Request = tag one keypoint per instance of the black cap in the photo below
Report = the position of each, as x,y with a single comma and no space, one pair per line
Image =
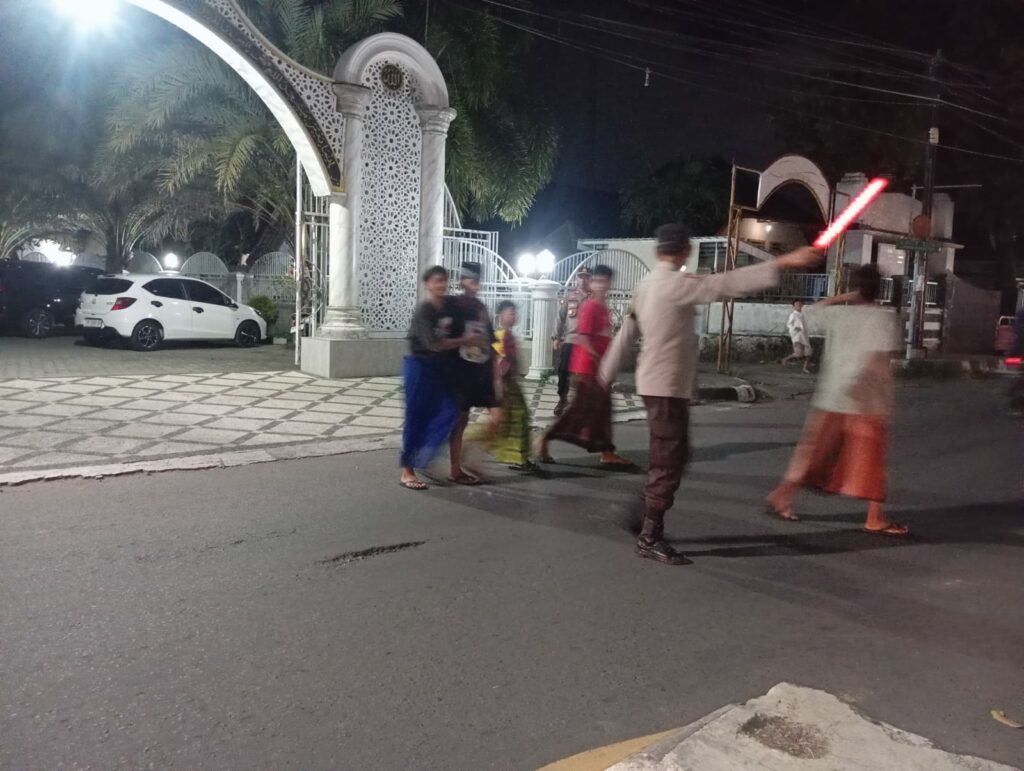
471,270
673,238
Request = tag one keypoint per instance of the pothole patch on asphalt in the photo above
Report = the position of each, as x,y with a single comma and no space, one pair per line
780,733
374,551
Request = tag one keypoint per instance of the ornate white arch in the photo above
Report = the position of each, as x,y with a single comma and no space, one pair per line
795,169
300,99
352,65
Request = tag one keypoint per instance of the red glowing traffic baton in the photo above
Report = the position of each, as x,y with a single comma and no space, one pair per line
851,212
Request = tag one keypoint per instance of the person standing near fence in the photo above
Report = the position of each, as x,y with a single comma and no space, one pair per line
471,369
430,409
565,333
798,336
587,421
843,447
662,319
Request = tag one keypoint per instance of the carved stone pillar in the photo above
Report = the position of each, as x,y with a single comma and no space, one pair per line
434,122
343,320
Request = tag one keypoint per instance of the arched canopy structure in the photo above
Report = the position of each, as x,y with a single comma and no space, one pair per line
799,170
399,49
300,99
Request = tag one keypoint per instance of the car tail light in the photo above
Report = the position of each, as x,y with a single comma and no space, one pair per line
1013,361
122,302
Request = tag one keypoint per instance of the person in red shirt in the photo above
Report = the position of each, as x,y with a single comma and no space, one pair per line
587,422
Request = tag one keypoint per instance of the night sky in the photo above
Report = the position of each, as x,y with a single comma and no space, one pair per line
716,67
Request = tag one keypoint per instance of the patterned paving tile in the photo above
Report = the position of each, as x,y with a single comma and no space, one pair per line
205,409
26,421
176,419
238,424
205,435
294,427
262,412
143,430
176,448
336,408
58,459
60,410
106,445
65,421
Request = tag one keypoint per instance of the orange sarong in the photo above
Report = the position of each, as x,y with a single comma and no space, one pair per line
842,454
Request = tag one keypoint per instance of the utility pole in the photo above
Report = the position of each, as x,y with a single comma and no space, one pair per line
920,285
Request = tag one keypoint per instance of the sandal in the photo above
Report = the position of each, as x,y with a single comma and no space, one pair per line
413,484
617,461
464,479
540,452
787,515
892,529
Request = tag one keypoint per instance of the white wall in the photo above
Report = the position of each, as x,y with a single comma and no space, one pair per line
759,319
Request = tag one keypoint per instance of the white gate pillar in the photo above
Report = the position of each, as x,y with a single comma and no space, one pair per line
544,306
434,122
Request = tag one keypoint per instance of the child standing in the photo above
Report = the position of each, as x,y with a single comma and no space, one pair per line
510,441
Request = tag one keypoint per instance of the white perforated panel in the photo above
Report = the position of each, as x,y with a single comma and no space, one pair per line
390,206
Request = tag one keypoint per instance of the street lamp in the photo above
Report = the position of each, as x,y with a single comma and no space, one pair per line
545,262
88,13
171,261
526,264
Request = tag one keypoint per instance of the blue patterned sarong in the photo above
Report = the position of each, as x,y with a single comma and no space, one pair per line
430,411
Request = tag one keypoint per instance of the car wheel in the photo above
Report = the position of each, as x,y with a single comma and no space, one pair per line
38,323
248,334
147,336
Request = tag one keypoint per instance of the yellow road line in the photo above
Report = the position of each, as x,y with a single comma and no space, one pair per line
603,757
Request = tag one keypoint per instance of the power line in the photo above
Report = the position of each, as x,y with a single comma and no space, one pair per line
729,57
623,60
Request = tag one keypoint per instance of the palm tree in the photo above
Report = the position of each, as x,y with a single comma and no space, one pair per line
182,103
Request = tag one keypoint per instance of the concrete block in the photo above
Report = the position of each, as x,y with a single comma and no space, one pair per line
333,359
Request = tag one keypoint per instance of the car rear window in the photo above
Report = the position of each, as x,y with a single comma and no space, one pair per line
107,285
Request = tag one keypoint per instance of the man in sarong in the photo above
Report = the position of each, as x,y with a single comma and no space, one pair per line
587,421
846,437
430,409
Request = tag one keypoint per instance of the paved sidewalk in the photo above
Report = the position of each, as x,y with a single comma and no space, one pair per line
61,423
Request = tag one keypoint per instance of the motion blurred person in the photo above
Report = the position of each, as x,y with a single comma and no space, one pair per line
470,368
430,409
843,447
587,421
662,319
565,334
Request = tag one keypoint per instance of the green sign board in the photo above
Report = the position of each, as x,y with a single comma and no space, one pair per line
917,245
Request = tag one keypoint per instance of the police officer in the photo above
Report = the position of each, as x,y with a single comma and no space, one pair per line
565,333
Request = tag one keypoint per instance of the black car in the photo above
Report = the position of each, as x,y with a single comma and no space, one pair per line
37,296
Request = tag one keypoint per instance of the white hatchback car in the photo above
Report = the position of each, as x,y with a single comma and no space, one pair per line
148,309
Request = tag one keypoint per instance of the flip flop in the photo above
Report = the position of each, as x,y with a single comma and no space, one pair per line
892,530
413,484
464,479
788,516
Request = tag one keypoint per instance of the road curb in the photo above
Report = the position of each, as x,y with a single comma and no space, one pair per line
230,459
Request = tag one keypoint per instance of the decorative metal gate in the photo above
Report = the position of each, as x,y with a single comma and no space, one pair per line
310,269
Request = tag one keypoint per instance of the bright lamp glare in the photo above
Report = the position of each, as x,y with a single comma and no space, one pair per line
89,13
171,261
55,253
545,261
527,264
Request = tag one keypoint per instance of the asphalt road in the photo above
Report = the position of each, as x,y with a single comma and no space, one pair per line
225,619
